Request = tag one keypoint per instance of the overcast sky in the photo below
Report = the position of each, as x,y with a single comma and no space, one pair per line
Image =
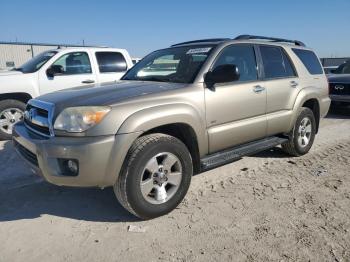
143,26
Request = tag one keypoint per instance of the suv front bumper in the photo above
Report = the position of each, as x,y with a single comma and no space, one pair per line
99,158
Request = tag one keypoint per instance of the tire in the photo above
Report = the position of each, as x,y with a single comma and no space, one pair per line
296,145
8,109
154,152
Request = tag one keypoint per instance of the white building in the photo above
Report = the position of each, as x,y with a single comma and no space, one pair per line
14,54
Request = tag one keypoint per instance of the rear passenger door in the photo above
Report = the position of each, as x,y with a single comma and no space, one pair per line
111,66
236,111
282,87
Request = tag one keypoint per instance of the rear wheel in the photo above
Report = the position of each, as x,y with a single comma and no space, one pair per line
155,177
302,135
11,112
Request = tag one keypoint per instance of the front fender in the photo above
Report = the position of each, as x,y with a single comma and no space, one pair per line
20,83
147,119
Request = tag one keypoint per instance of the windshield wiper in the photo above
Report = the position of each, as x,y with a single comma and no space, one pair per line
154,78
17,69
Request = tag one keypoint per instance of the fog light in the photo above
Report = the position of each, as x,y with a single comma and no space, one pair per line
69,167
72,166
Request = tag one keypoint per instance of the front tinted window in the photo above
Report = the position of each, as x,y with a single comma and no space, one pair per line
36,62
276,63
177,64
343,68
74,63
243,57
109,62
309,60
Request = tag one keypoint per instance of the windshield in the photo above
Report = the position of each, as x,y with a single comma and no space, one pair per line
343,68
177,65
36,62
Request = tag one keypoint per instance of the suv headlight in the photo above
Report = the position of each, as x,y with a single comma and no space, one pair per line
80,119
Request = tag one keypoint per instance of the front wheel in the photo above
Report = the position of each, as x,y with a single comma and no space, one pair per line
155,177
11,112
303,134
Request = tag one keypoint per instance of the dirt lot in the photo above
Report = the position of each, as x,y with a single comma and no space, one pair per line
268,207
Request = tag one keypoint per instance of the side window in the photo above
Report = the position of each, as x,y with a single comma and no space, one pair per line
243,57
74,63
276,63
111,62
288,65
309,60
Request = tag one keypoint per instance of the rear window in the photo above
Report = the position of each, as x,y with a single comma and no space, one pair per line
276,63
309,60
111,62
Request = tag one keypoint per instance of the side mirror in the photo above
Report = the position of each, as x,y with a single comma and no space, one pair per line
222,74
54,70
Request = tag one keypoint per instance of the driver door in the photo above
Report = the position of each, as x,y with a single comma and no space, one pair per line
236,111
75,70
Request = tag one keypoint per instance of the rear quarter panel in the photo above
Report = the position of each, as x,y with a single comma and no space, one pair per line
311,87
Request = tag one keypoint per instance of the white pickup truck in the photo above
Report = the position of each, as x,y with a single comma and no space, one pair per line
55,70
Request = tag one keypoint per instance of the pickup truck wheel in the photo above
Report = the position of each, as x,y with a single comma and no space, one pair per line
155,177
302,135
11,112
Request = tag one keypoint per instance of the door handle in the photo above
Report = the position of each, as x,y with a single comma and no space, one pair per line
293,84
88,81
258,89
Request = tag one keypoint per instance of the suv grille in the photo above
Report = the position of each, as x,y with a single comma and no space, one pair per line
37,118
339,89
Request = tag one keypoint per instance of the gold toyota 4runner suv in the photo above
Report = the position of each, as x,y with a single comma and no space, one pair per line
180,111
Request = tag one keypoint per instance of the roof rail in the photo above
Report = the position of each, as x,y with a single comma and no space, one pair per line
273,39
201,41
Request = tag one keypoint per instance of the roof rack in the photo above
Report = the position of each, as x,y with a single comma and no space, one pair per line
202,40
273,39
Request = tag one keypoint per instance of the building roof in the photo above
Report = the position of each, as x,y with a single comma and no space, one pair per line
44,44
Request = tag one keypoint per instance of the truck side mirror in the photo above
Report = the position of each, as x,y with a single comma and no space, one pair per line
222,74
54,70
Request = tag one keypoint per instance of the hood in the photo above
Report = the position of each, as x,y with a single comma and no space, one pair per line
339,78
10,73
106,94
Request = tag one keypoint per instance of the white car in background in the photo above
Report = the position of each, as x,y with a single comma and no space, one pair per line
56,70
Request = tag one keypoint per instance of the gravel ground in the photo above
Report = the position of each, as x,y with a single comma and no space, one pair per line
267,207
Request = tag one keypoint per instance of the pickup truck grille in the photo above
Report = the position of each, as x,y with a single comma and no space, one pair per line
339,89
37,117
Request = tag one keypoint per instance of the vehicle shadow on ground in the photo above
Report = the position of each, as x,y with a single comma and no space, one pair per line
32,201
339,112
275,152
27,197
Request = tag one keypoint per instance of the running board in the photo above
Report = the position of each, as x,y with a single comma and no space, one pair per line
229,155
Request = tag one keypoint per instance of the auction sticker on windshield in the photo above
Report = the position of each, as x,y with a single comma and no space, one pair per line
198,50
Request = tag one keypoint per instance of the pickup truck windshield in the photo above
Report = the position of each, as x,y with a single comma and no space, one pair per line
177,65
36,62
